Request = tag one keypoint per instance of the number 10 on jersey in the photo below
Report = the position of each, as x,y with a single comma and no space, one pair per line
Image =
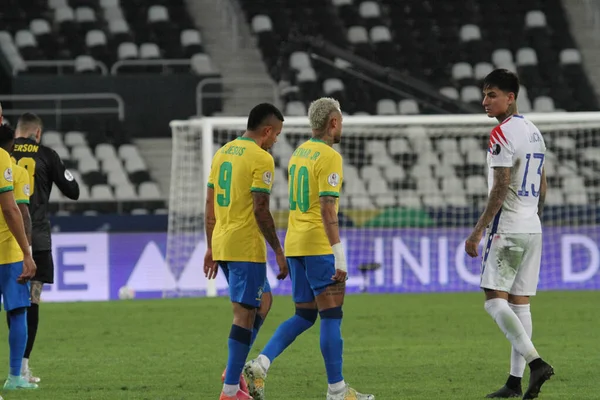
299,191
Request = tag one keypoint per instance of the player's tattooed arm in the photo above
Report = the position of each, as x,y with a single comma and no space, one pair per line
26,220
542,198
330,218
209,216
264,219
496,198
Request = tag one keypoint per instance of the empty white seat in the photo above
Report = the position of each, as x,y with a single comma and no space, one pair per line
128,151
202,64
149,50
116,177
377,187
55,195
482,69
354,186
370,172
369,9
295,108
75,138
190,37
88,165
399,146
135,165
127,51
523,104
113,15
386,107
554,197
105,151
85,14
428,158
428,187
526,56
462,70
101,193
446,146
478,157
350,173
422,172
95,37
110,3
574,184
80,152
450,92
333,85
125,191
470,32
409,199
468,144
262,23
576,199
380,34
139,211
452,185
24,38
358,35
570,56
590,154
394,173
52,138
502,57
535,19
306,75
161,211
470,94
54,4
149,191
476,185
565,143
118,26
375,148
84,64
158,13
339,3
451,160
362,202
543,104
39,27
434,201
388,199
300,60
408,107
64,14
62,151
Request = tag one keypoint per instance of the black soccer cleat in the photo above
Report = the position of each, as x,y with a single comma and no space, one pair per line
505,393
540,373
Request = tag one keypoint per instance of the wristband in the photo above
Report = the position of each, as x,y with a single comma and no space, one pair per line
340,256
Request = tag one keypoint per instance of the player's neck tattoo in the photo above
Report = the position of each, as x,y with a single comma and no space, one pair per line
512,110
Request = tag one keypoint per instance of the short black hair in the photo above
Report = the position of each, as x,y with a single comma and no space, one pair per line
30,118
7,135
260,113
504,80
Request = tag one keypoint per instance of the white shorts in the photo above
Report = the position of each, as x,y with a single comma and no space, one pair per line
511,263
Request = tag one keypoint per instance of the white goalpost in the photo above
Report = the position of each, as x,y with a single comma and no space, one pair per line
413,188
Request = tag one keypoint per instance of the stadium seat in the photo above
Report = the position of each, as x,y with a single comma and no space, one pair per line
543,104
535,19
101,193
85,64
125,191
81,152
386,107
408,107
52,138
202,64
262,23
75,138
149,191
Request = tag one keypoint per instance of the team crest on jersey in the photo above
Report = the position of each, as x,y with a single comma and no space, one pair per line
8,174
334,179
496,149
68,175
26,189
267,177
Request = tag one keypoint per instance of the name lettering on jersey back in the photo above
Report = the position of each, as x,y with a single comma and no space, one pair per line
306,153
26,148
233,150
535,137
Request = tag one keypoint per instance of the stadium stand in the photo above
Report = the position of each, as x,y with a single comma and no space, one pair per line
106,31
448,46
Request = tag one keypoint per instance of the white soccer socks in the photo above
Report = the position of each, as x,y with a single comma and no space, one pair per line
517,362
512,327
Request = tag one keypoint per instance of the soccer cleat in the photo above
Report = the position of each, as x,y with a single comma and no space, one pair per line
349,394
255,378
238,396
18,382
505,393
28,375
537,378
243,385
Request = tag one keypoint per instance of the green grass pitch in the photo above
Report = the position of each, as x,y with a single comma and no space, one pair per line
430,346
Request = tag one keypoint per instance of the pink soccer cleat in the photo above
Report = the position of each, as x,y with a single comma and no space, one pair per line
243,384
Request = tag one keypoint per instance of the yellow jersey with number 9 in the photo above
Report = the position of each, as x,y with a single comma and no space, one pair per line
10,251
315,170
238,169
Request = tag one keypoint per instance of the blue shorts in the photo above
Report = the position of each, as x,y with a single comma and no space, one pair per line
310,276
14,295
247,281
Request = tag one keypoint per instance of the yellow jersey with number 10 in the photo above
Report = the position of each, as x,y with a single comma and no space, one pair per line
315,170
12,179
238,169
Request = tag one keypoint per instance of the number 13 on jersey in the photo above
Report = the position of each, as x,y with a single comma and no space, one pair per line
524,186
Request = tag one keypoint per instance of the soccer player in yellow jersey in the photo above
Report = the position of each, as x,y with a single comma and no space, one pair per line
316,259
16,263
237,222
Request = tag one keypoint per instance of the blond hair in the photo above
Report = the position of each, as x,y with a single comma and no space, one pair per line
320,111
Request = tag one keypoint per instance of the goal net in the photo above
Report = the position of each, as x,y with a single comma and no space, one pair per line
414,186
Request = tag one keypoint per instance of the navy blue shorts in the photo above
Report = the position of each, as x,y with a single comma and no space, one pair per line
247,281
14,295
310,276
